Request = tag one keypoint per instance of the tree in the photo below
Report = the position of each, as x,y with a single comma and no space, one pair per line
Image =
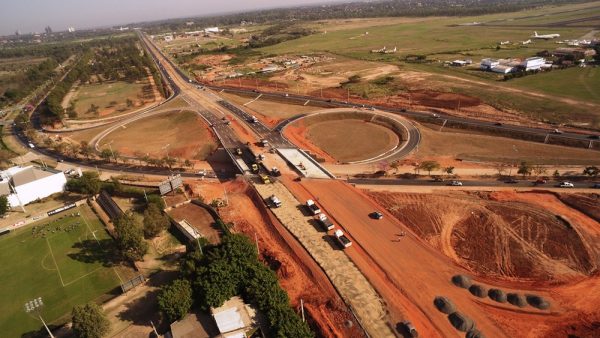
429,166
524,169
556,174
395,165
89,321
89,183
187,163
449,170
130,237
129,103
154,221
106,154
169,161
591,171
3,205
175,300
85,149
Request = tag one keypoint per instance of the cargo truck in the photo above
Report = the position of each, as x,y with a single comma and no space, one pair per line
342,239
313,208
324,222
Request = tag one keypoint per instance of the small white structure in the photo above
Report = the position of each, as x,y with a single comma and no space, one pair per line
488,64
168,38
211,30
24,185
533,63
234,318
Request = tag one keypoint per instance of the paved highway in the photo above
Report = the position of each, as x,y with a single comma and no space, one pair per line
466,183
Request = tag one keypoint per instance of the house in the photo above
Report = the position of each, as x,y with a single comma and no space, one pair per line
488,64
23,185
533,63
211,30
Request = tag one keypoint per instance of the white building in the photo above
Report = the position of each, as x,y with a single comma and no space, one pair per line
488,64
23,185
168,38
533,63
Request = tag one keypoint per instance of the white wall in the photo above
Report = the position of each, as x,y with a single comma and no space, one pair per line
41,188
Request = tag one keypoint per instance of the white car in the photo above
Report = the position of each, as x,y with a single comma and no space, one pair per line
566,185
30,145
456,183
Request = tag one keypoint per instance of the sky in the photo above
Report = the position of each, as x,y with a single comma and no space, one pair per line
33,15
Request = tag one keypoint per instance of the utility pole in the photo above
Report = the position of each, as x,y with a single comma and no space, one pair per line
302,309
256,240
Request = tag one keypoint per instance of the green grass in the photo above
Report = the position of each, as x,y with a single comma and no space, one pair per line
65,268
583,83
102,94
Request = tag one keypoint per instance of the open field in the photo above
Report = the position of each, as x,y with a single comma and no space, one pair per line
437,145
185,133
110,98
351,140
66,259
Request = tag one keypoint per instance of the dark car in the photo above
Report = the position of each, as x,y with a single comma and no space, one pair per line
511,181
596,186
594,137
540,181
497,124
376,215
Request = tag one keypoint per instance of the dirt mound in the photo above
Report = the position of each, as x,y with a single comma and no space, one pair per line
537,302
497,295
462,281
461,322
516,299
444,305
499,238
478,290
588,204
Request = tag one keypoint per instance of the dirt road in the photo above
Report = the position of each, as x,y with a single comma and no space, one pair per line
346,277
415,270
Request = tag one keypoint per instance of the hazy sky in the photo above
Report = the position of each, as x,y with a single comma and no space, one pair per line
34,15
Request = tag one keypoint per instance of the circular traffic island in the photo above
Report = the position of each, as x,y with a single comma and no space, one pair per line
347,137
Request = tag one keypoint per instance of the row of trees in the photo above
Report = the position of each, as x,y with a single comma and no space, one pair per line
226,270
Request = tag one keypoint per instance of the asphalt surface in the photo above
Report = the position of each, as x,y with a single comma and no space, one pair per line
469,183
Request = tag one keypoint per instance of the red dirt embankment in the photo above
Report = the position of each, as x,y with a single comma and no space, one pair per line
298,273
505,239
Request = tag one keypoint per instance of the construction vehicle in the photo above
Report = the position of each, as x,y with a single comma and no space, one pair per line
265,179
264,143
275,202
313,208
238,151
255,168
342,239
325,223
275,172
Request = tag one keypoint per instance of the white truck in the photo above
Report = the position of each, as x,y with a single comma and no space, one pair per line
342,239
313,208
253,119
324,222
275,201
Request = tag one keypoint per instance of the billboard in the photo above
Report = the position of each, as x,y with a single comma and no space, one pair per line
171,184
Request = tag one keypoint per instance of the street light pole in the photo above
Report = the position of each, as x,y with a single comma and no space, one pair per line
35,307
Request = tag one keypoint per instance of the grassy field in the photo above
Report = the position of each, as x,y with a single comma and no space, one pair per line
270,109
66,259
333,138
482,148
102,95
185,132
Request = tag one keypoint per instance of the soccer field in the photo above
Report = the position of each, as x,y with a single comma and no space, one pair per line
67,259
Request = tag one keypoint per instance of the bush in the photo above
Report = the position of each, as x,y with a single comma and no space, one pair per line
175,300
89,321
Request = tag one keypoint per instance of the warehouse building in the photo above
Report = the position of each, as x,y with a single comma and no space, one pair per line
23,185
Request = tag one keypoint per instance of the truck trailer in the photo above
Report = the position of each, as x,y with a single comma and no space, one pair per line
342,239
324,222
313,208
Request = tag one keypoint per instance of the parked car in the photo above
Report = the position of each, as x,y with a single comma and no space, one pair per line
566,185
456,183
497,124
511,181
596,186
540,181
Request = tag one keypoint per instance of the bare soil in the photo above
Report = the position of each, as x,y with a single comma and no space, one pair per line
185,133
503,239
200,219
